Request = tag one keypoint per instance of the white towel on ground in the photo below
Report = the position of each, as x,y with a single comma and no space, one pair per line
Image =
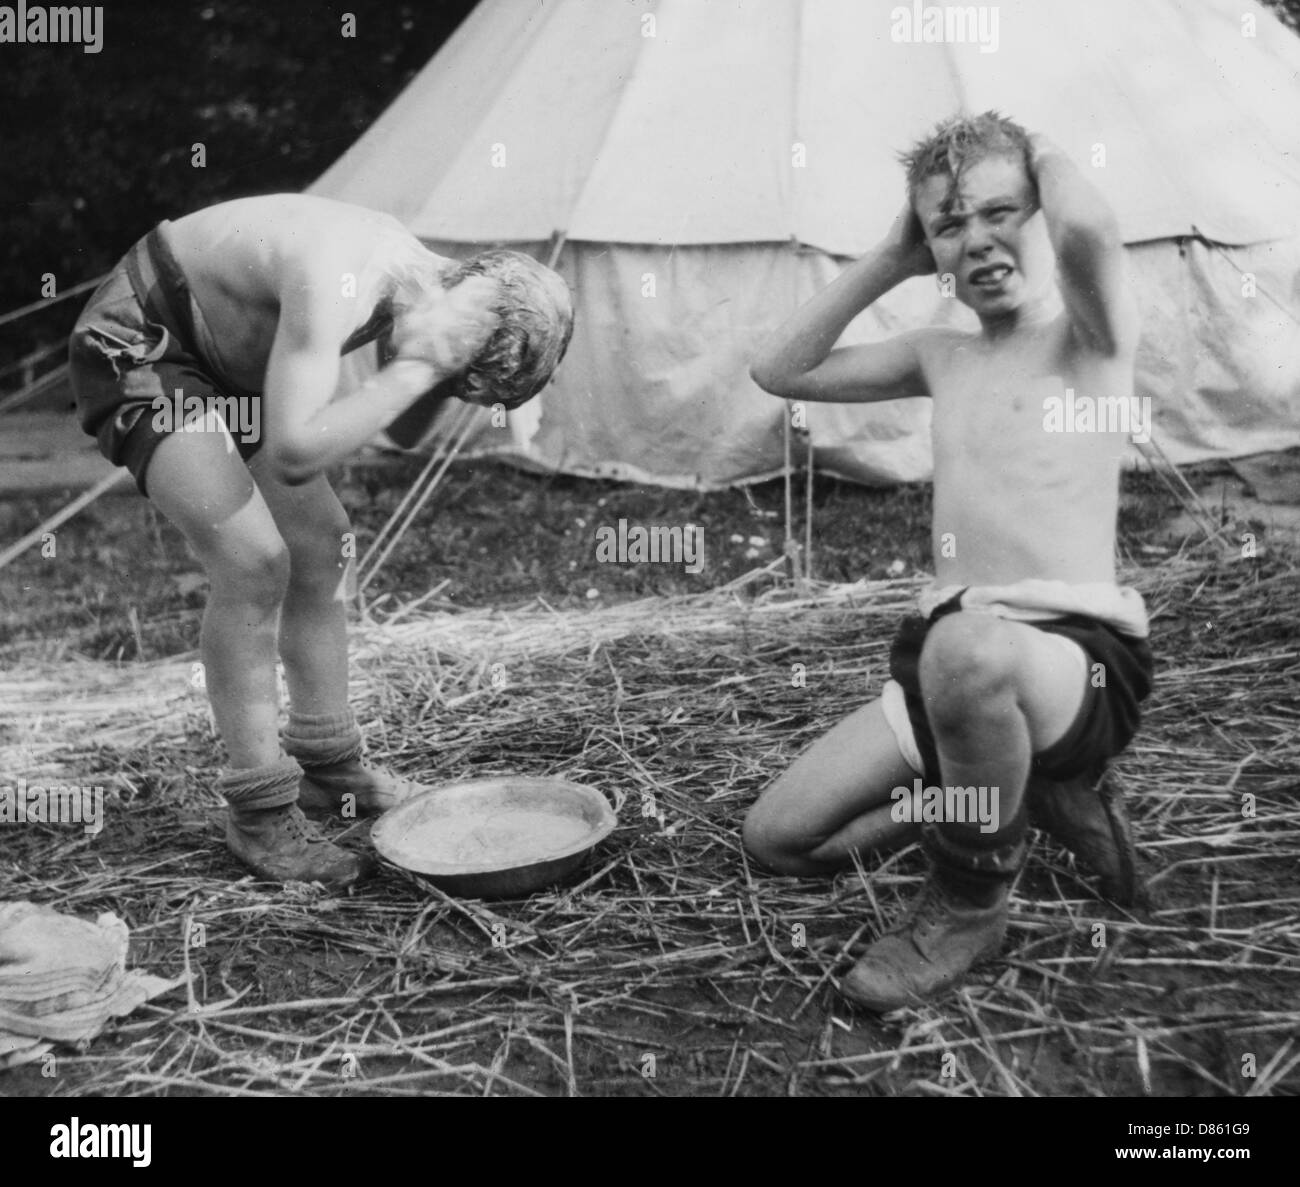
63,978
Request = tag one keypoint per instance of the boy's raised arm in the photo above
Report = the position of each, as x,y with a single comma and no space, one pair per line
306,432
1089,251
800,363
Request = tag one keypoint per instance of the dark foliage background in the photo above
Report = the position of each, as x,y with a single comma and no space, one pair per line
97,147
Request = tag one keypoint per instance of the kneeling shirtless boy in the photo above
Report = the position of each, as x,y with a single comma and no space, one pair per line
1024,671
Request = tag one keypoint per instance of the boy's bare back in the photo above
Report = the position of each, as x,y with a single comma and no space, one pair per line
247,258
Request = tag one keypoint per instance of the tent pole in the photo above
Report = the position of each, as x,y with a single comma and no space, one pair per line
35,388
382,534
808,514
45,302
558,240
791,548
1162,467
61,517
447,458
27,364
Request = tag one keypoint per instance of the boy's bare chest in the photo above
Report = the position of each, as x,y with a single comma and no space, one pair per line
993,414
993,406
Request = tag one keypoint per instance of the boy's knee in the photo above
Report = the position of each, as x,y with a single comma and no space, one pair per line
257,575
319,574
755,837
319,560
968,659
770,847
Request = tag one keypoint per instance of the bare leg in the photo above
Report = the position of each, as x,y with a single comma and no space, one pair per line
206,491
834,799
996,692
313,624
322,732
199,482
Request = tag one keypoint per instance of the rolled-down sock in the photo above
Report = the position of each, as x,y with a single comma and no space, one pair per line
977,865
256,789
322,739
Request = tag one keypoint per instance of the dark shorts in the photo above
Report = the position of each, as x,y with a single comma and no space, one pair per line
139,367
1107,719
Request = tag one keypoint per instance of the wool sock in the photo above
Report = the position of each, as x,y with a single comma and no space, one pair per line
322,739
977,866
256,789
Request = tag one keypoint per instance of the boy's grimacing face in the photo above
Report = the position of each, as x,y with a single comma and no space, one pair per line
991,236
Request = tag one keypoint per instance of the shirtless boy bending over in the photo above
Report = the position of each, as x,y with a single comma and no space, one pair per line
1024,671
206,364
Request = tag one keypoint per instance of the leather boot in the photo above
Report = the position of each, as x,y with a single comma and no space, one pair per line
958,920
353,788
942,938
1086,814
336,777
266,830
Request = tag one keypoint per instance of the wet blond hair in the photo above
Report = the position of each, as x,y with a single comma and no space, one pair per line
959,142
535,309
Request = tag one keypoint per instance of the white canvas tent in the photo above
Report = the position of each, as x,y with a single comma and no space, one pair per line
705,165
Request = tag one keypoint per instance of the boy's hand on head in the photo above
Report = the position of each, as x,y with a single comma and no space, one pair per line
906,241
415,376
1040,146
1089,249
451,328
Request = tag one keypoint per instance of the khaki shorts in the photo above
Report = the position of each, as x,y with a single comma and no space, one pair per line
136,358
